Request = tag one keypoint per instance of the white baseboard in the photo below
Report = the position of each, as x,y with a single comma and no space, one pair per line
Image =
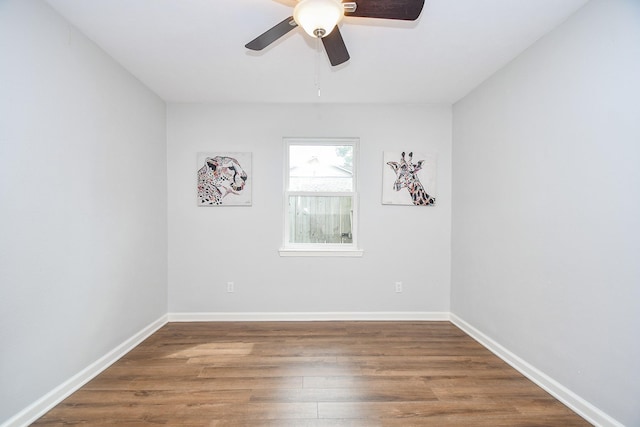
315,316
583,408
40,407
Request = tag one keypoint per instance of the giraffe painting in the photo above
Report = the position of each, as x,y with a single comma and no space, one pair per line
406,176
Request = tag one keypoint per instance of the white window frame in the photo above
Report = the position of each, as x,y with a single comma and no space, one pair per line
321,249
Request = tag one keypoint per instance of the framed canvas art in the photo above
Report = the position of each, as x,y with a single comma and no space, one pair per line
409,178
224,179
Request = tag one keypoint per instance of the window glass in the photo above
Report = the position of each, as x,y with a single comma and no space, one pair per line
320,197
325,168
320,219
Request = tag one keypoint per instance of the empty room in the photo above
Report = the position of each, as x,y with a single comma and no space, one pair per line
320,213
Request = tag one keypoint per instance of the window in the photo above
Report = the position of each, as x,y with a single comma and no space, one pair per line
320,212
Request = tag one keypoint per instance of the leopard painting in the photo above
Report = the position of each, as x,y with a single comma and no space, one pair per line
219,177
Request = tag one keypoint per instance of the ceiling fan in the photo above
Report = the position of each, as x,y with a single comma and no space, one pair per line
320,18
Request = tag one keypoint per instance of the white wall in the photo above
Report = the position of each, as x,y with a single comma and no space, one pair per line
82,204
212,245
546,208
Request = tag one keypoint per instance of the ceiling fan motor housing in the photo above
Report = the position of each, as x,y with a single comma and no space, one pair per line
318,17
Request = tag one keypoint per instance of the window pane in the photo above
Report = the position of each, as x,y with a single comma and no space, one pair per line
320,219
321,168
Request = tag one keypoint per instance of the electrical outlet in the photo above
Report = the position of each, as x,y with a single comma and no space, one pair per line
231,287
398,287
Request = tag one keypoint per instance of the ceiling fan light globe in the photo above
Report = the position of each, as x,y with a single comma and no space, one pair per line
318,17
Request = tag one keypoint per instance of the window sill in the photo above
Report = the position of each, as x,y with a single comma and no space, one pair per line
321,252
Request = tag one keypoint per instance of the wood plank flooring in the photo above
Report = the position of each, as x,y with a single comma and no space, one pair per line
311,374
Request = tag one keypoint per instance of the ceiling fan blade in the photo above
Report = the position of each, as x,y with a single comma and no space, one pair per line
335,47
271,35
407,10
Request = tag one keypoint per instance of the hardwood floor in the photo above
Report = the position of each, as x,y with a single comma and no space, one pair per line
311,374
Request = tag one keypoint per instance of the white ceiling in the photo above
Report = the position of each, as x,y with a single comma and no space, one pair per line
193,50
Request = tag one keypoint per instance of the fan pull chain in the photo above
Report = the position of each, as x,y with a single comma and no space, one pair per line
317,82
